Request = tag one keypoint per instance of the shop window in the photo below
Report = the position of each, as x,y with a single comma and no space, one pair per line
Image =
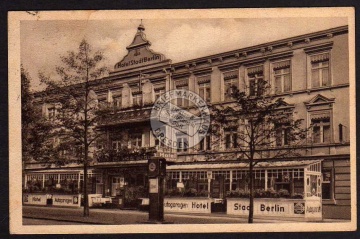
327,184
205,143
256,81
282,76
320,70
231,79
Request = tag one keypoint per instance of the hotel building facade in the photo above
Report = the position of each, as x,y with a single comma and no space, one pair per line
311,73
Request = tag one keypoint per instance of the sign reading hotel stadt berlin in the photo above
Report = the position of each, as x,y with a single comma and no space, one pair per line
139,53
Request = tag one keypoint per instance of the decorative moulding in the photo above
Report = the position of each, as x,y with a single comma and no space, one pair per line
319,47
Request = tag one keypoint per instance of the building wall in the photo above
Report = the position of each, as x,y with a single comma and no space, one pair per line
335,154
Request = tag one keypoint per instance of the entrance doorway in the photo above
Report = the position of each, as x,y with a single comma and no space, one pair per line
218,192
116,184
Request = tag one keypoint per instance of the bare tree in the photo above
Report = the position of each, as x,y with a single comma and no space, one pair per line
256,127
76,106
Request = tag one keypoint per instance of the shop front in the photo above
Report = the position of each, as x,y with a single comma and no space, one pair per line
123,184
59,187
281,189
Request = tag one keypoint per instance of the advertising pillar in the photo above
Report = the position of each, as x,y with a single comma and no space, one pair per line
157,173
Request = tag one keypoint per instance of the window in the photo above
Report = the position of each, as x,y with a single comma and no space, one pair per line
159,93
205,143
327,188
282,135
117,101
181,101
321,127
204,91
136,140
116,145
231,79
137,99
320,71
256,80
51,113
282,76
231,139
182,142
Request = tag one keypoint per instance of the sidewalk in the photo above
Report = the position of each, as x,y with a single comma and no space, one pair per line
117,216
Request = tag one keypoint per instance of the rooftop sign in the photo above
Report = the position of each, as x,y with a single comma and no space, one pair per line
139,53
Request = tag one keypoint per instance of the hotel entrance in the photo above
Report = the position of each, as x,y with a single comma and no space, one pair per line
117,183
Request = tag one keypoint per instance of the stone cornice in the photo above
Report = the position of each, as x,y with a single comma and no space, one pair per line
269,47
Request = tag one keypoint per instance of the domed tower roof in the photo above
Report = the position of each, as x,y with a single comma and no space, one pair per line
141,27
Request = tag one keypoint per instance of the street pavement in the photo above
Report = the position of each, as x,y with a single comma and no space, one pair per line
121,217
31,221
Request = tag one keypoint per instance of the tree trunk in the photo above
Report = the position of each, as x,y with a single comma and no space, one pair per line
86,203
251,196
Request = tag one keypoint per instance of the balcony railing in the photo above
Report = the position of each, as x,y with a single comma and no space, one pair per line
124,154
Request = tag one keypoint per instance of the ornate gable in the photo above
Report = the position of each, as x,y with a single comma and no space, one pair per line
319,100
139,53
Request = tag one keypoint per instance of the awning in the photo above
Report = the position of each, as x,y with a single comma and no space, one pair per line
243,165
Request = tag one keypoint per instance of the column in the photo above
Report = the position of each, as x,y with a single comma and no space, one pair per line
43,180
79,182
266,179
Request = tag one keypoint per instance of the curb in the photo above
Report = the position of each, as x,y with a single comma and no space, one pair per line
66,220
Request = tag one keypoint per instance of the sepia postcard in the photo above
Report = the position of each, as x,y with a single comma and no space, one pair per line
182,121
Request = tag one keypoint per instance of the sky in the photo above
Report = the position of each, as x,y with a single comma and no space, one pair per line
43,42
